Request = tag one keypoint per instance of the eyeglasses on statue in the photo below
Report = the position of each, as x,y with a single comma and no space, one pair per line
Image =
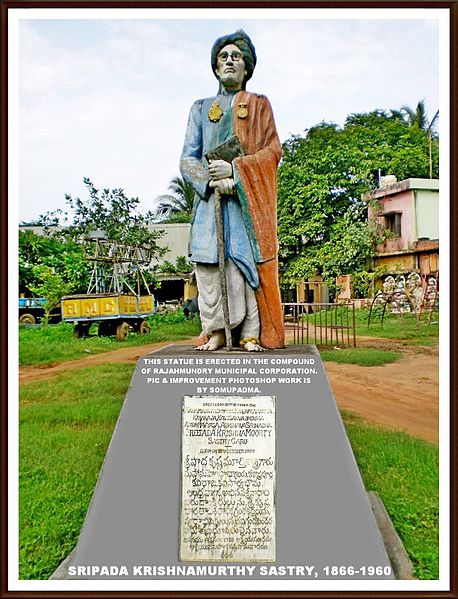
235,56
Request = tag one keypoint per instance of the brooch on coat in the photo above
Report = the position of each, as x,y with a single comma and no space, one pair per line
215,113
242,111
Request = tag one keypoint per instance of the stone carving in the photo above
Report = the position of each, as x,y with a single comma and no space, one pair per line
399,299
406,295
389,285
394,293
237,276
431,296
228,479
414,290
431,293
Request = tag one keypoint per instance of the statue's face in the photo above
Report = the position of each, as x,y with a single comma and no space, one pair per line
230,68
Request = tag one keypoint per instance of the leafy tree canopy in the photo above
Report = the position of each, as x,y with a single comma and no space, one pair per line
181,266
52,286
61,249
322,221
40,254
109,210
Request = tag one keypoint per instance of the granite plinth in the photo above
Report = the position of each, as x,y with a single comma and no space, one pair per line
323,516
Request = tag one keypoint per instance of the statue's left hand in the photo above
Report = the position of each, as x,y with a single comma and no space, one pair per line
225,186
219,169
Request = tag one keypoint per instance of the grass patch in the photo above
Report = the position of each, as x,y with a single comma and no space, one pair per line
405,472
66,425
395,326
39,345
363,356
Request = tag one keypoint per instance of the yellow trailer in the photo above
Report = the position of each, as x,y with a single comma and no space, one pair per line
115,313
118,296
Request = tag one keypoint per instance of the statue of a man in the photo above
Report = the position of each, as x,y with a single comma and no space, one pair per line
248,188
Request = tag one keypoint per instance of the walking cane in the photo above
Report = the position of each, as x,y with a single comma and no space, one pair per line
228,150
221,267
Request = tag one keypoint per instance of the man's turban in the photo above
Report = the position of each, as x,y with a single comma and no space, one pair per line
243,42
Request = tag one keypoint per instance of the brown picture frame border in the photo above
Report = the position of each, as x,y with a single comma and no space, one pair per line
9,5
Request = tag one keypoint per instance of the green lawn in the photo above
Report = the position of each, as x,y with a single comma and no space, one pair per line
66,424
363,356
395,326
404,471
39,345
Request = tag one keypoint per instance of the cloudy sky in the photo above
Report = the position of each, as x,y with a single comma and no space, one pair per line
108,98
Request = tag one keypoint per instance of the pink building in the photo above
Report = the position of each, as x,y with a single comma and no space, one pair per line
410,210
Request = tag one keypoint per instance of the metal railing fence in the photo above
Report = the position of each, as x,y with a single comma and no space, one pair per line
321,323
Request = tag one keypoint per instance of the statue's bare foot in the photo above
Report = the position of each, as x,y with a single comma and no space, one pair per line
250,346
215,342
201,340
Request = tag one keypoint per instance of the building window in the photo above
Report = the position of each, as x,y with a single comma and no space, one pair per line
393,222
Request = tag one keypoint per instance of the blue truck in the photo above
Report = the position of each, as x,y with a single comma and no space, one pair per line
31,310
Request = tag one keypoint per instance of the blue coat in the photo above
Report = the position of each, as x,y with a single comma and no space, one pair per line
203,135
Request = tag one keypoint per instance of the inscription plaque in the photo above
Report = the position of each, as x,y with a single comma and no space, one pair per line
228,479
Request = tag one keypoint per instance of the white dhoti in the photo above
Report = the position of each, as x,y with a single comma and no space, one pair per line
241,298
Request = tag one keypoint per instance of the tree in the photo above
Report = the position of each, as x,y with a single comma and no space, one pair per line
51,286
322,221
175,207
64,256
108,210
183,265
419,118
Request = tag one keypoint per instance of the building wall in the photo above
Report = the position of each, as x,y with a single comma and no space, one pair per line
404,203
427,212
418,202
344,282
398,263
176,238
314,290
429,263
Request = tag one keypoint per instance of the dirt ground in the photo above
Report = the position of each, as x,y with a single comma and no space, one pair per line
403,395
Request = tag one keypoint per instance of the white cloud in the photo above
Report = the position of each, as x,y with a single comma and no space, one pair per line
110,99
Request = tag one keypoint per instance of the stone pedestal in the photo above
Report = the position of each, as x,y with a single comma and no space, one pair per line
322,525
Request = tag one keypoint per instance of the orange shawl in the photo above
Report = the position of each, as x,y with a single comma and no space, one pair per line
257,173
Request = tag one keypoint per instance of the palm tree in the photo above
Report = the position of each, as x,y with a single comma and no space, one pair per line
416,116
419,118
180,202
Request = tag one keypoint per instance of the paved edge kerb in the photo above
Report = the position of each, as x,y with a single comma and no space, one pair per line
400,562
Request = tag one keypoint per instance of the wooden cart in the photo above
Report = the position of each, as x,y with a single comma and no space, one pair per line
115,313
116,297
